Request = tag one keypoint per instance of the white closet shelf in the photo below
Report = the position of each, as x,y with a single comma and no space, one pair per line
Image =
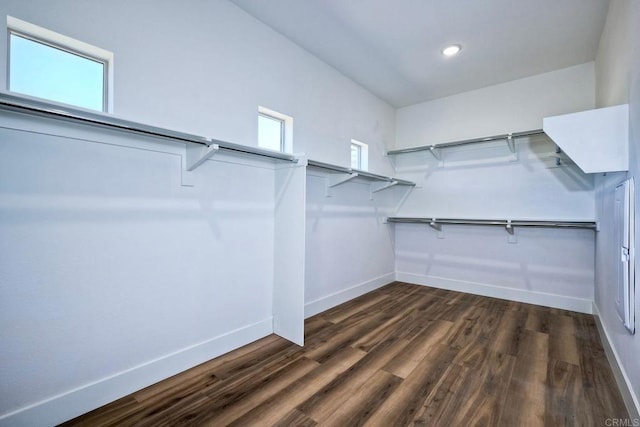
509,138
350,173
204,147
596,140
506,223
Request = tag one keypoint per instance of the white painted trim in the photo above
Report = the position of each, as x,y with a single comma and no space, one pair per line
91,396
530,297
631,401
364,155
325,303
86,49
287,123
38,32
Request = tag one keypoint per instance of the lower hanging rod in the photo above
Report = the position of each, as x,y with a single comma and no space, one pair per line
491,222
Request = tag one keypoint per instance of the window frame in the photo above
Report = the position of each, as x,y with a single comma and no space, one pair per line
66,44
286,128
358,150
363,155
282,125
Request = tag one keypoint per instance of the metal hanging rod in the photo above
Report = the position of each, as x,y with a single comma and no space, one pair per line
12,102
328,166
254,151
508,137
358,172
373,175
491,222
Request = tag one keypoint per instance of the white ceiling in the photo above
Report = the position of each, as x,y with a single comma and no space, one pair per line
392,47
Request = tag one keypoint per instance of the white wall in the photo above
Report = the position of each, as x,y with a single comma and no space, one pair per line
546,266
204,67
552,267
618,82
108,264
349,247
113,276
515,106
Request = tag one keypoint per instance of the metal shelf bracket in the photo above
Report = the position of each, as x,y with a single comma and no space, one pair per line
379,186
334,180
512,238
509,227
197,155
436,153
511,143
194,156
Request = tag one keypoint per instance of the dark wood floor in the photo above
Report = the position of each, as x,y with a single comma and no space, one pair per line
403,354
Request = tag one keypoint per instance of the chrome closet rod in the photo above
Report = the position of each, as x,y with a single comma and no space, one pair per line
502,223
502,137
328,166
366,174
224,145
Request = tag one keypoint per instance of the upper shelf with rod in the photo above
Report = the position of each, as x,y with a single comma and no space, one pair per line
595,140
344,174
434,149
200,149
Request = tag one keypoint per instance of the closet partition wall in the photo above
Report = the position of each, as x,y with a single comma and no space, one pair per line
129,253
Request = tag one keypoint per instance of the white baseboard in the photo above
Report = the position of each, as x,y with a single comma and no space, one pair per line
630,399
318,306
91,396
530,297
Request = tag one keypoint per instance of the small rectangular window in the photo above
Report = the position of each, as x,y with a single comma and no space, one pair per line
359,155
275,130
356,156
48,65
270,132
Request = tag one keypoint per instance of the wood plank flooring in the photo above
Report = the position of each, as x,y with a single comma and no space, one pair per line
401,355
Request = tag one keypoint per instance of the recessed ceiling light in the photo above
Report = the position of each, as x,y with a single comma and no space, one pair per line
451,50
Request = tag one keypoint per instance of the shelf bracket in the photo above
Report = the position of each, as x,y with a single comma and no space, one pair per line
376,187
512,238
194,156
336,179
435,152
433,224
511,143
197,155
509,227
382,186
